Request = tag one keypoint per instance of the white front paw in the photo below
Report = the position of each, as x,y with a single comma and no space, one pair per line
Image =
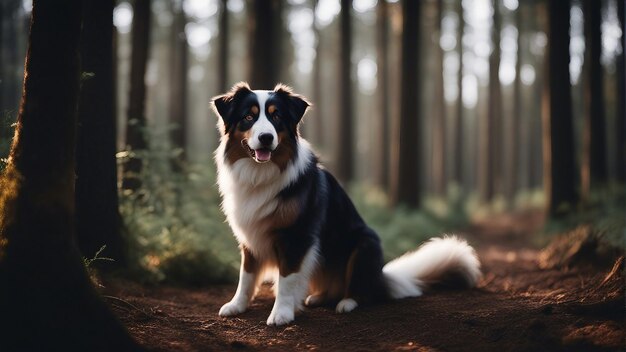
346,305
232,308
281,315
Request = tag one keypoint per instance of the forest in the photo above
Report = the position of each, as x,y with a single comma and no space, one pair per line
501,121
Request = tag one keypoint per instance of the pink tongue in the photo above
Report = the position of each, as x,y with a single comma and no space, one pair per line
262,154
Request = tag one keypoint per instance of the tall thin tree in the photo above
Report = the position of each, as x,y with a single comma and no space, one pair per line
224,40
620,129
178,84
135,130
558,128
439,125
516,128
315,121
405,178
381,119
458,130
46,298
265,33
97,216
490,176
594,164
345,149
9,81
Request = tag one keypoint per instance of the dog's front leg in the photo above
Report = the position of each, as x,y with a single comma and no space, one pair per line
245,289
292,286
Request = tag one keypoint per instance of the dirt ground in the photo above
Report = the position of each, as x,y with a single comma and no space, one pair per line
517,307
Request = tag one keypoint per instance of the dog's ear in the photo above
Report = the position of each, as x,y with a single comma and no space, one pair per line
298,104
223,104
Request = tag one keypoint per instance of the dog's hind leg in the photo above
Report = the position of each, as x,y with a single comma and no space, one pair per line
364,279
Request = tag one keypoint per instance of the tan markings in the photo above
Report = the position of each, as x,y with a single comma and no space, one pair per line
285,270
329,281
285,151
235,149
349,272
250,264
285,215
255,109
271,109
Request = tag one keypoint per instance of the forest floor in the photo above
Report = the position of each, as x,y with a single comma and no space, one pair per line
516,307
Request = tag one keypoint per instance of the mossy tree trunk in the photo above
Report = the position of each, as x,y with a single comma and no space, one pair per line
46,298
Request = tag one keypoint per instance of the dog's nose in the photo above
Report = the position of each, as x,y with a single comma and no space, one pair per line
266,139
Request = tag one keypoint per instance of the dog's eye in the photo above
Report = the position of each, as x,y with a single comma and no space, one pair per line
276,118
249,118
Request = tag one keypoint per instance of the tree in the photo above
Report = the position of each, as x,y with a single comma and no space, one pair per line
621,100
516,124
405,178
490,177
178,84
47,301
594,167
458,124
345,149
9,66
315,122
222,58
381,121
439,127
97,217
265,33
558,130
135,129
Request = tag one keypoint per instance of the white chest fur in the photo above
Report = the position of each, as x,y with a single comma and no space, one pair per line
249,195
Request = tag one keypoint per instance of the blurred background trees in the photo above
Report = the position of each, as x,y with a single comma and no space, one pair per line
424,109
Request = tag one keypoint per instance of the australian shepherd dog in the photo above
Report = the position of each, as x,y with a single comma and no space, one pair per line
292,218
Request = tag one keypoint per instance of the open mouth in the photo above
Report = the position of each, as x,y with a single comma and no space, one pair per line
261,155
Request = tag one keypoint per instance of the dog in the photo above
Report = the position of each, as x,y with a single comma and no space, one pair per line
290,215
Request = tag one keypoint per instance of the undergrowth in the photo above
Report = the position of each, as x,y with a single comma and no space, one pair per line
604,211
176,230
402,229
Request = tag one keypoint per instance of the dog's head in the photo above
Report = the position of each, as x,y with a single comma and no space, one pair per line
260,124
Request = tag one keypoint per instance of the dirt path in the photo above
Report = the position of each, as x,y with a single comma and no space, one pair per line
517,307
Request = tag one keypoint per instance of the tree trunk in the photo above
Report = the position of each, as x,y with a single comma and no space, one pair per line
178,86
135,130
439,127
620,129
491,147
264,43
538,21
381,120
515,158
9,98
558,130
345,149
224,40
316,120
97,217
405,180
458,124
594,168
46,299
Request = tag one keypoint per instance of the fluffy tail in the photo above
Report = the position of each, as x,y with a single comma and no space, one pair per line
436,261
